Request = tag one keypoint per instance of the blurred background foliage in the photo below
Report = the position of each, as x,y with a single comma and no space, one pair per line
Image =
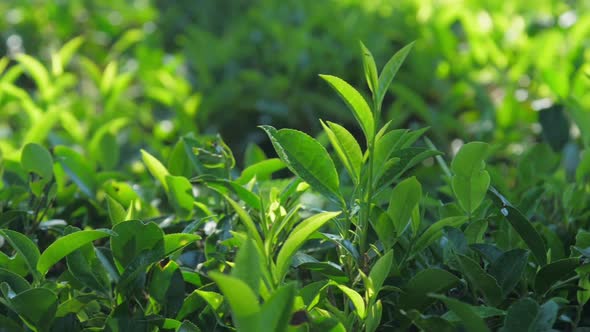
147,72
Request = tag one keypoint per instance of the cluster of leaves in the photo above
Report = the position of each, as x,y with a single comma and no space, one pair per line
355,241
476,74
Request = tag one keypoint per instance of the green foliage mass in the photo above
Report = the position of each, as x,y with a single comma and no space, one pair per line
119,211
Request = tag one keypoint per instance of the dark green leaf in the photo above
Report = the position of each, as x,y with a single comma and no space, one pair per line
508,269
427,281
25,247
554,272
522,226
36,306
469,317
133,237
434,232
480,279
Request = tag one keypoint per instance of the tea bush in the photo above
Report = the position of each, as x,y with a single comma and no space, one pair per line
481,71
111,229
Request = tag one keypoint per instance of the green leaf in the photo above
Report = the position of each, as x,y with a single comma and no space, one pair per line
526,315
167,287
475,231
66,245
523,227
242,301
468,315
77,168
480,279
581,117
370,69
36,159
178,162
355,298
107,151
275,313
156,168
433,280
36,306
38,72
380,271
308,159
386,144
481,311
132,238
253,155
261,170
347,149
247,265
70,306
404,198
173,242
355,102
17,283
508,269
296,239
554,272
116,211
435,231
180,193
470,181
194,302
187,326
134,273
389,71
85,265
25,247
374,317
67,51
248,222
383,226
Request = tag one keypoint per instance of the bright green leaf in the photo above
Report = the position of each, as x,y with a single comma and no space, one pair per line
66,245
347,149
242,301
156,168
308,159
36,159
389,70
296,239
275,313
370,69
247,265
404,198
355,102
